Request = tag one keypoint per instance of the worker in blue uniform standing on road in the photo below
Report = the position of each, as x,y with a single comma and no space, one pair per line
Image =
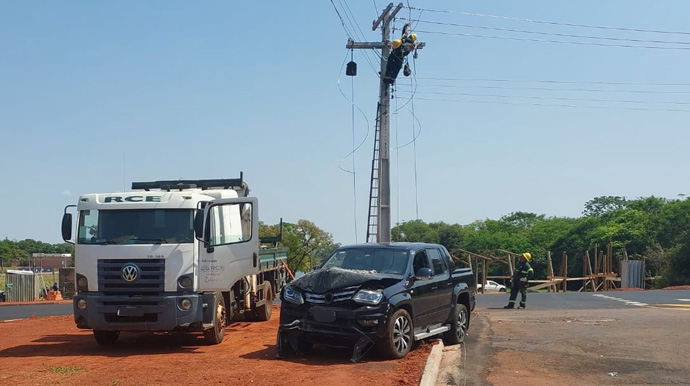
523,272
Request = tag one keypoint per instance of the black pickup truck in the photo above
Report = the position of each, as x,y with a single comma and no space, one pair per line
369,295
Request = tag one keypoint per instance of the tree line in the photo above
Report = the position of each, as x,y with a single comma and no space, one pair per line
18,253
653,228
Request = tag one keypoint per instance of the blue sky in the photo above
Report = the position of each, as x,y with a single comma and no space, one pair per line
95,95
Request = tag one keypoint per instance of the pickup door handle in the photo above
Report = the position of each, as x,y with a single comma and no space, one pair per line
450,284
434,288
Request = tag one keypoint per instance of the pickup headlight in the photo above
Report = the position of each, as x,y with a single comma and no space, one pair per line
368,297
292,296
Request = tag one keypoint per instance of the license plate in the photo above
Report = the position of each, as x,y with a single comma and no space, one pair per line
324,316
130,311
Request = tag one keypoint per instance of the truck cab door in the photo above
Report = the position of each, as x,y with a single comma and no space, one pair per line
229,244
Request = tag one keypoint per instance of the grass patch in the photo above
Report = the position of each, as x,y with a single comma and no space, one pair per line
65,370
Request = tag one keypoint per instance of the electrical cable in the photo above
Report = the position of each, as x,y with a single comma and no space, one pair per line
552,33
414,146
556,81
555,41
360,111
552,98
354,171
559,89
553,105
557,23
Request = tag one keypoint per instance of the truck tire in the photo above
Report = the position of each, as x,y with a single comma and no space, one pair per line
264,311
216,334
458,326
106,338
399,336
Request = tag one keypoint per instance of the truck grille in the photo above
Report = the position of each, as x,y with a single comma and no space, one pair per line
340,295
150,278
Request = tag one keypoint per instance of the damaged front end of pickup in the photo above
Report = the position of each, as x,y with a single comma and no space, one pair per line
334,307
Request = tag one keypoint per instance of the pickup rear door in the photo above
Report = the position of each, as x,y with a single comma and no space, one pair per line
422,293
443,285
229,247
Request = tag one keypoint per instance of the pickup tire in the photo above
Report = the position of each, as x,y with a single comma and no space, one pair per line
458,326
216,334
399,337
106,338
264,311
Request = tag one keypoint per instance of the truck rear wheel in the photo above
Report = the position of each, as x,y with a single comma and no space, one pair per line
458,326
399,336
216,334
264,311
106,338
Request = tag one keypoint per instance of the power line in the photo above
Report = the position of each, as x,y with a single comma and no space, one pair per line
555,89
555,81
553,105
557,23
552,98
342,22
554,41
552,33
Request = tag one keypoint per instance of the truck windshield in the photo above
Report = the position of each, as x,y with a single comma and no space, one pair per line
138,226
379,260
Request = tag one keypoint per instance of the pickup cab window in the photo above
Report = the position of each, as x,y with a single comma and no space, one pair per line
437,261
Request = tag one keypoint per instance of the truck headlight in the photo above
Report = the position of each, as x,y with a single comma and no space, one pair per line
292,296
368,297
81,303
82,283
184,282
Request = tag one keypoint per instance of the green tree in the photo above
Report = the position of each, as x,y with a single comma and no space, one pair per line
307,244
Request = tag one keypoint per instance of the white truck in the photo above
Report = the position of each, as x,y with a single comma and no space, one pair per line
172,255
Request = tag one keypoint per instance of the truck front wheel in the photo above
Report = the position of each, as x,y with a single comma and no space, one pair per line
106,338
215,334
398,340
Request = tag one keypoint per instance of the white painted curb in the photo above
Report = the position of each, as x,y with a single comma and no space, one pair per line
433,365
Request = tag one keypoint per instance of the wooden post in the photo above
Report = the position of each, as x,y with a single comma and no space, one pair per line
510,264
549,270
483,274
565,272
476,275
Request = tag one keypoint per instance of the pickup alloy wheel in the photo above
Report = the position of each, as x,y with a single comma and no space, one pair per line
458,327
398,340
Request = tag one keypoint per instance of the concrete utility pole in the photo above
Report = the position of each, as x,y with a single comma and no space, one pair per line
383,228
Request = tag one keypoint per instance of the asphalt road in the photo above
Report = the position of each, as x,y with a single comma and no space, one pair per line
8,312
592,300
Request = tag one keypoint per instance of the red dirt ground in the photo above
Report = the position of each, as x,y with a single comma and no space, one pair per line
52,351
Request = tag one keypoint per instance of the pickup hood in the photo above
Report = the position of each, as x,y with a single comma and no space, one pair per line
324,280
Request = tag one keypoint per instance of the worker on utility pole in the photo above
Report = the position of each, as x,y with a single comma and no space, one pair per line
401,48
523,272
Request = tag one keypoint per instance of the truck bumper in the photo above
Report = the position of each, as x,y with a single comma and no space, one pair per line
123,313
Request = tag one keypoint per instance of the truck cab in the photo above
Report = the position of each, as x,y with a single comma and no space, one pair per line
171,255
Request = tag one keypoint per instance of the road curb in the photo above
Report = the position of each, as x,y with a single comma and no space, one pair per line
433,365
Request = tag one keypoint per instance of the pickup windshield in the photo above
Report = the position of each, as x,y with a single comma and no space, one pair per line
138,226
388,261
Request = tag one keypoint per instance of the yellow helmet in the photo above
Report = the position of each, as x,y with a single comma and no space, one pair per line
527,255
396,43
414,36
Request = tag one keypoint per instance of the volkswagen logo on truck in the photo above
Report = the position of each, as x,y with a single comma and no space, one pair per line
130,272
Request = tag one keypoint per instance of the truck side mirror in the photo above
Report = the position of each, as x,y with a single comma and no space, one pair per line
199,224
67,226
424,274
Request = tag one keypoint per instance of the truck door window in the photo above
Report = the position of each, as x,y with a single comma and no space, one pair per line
437,261
230,224
420,261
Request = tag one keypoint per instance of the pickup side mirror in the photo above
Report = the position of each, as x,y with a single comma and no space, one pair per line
67,226
424,274
314,268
